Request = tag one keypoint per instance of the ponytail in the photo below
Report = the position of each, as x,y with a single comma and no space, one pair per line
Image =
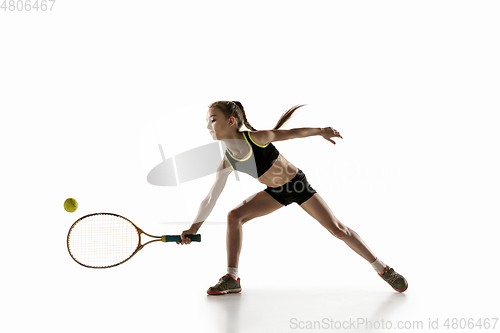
286,116
245,121
235,109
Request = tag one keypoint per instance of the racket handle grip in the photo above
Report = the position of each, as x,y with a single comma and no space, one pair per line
177,238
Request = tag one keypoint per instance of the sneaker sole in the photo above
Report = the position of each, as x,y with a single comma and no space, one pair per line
230,291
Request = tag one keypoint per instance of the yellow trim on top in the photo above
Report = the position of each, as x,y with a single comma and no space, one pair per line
256,143
249,154
228,162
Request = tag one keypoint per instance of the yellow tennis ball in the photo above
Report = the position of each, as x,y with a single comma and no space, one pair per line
70,205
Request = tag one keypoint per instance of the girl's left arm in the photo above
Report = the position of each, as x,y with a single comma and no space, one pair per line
264,137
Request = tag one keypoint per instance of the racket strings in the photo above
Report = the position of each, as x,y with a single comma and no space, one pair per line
102,240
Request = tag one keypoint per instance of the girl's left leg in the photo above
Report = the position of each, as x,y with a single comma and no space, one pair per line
319,210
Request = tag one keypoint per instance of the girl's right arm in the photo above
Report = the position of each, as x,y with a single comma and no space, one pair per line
208,204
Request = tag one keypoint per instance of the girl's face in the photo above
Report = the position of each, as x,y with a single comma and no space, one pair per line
217,124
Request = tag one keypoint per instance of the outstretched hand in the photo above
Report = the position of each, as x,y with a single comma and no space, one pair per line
329,132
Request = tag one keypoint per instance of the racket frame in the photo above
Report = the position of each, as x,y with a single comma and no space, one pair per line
139,245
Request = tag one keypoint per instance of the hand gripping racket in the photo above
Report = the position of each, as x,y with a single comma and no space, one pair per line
104,240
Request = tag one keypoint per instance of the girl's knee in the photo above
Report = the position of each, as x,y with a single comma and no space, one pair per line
233,217
340,231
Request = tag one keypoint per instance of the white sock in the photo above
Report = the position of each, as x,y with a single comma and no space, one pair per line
233,271
378,266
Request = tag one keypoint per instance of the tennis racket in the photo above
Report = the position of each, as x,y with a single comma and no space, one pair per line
104,240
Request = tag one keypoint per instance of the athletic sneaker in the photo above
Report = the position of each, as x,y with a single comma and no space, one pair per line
227,284
395,280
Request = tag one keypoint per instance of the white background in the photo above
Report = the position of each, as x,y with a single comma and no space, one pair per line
89,90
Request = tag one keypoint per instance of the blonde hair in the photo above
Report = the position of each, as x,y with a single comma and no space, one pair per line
235,109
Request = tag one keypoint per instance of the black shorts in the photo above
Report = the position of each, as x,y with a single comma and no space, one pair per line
296,190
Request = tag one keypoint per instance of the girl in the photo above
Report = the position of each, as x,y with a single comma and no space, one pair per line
253,153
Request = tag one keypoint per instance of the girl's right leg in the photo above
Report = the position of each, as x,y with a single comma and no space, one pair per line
259,204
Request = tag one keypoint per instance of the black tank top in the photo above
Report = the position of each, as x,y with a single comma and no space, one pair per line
257,162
